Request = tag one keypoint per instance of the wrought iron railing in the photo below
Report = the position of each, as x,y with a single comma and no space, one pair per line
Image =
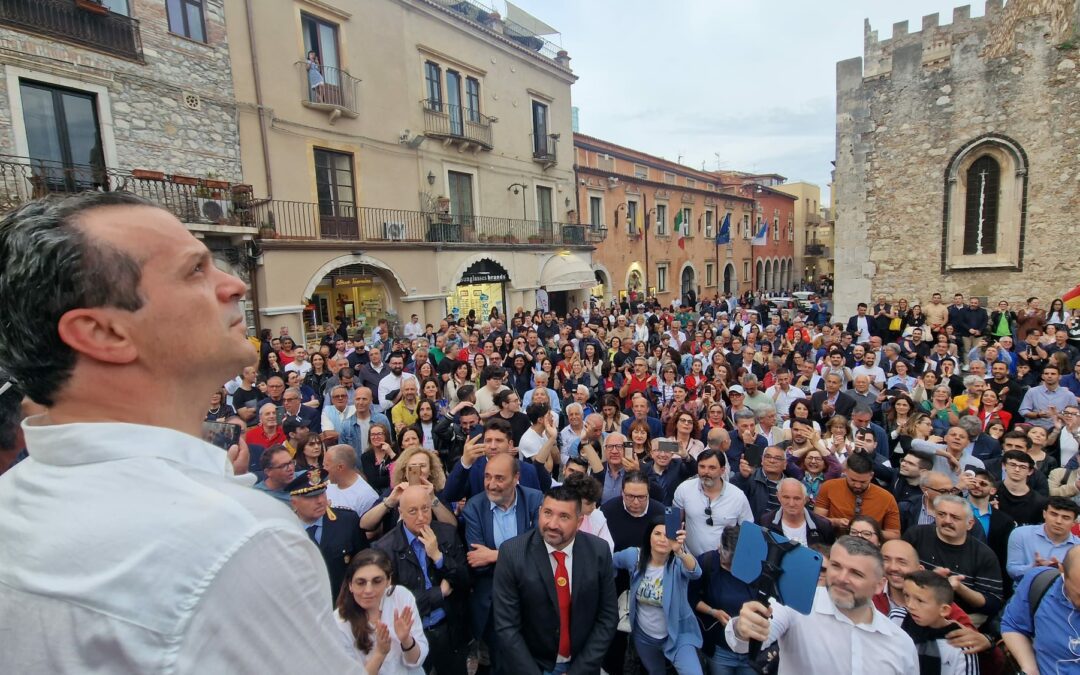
191,199
544,148
93,26
345,222
476,11
816,249
332,87
454,121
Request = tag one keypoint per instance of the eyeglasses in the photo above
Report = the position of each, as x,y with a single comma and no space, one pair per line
286,465
1016,465
634,498
708,513
863,534
947,491
613,446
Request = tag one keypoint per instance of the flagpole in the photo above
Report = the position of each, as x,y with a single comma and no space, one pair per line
645,236
716,240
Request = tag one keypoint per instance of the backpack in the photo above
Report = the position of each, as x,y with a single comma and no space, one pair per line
1040,585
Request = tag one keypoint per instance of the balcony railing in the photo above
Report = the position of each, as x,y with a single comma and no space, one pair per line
191,199
94,27
813,219
328,88
817,250
345,222
544,149
475,11
455,122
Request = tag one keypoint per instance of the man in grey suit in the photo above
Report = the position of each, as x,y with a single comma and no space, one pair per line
554,594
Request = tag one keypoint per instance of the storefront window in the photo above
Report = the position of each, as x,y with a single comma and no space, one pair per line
481,288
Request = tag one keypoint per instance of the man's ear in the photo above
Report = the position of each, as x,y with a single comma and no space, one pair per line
99,333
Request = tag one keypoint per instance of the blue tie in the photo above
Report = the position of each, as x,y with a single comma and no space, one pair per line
313,531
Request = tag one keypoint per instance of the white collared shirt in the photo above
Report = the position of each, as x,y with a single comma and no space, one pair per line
826,641
730,508
135,546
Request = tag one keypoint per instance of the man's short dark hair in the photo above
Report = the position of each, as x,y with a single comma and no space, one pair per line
709,453
1018,435
42,246
10,413
1059,503
563,493
537,411
465,391
924,462
266,459
935,583
1017,456
502,397
500,425
859,462
492,373
634,477
861,409
586,487
466,411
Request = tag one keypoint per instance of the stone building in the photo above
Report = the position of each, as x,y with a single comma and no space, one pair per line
958,157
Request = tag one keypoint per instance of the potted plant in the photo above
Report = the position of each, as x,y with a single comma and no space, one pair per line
147,174
268,228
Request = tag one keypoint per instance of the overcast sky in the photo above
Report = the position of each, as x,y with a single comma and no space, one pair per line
747,85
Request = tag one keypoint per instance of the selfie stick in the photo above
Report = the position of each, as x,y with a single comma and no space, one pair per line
767,585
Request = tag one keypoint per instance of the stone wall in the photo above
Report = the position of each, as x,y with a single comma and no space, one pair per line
904,110
173,113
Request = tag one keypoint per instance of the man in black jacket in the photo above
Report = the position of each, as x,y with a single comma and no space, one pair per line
794,520
449,434
554,594
335,531
429,560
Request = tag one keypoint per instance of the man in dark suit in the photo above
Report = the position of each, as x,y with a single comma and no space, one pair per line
832,401
505,509
429,560
336,532
861,326
554,594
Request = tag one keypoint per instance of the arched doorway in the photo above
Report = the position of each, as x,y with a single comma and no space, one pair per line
759,276
687,284
729,278
766,281
358,293
776,275
601,289
481,287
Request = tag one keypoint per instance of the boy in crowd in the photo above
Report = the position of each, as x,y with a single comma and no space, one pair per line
929,598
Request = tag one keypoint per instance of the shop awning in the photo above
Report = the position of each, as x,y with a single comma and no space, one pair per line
567,273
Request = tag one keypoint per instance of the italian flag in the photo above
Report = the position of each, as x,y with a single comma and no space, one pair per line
682,228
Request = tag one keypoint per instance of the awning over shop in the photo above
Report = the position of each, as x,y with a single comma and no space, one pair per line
567,273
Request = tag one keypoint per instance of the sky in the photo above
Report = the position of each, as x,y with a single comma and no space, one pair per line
747,86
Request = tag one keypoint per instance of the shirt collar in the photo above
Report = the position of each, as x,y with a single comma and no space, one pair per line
94,442
513,505
568,549
879,623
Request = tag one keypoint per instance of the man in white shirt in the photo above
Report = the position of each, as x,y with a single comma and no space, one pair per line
347,487
138,303
875,373
843,633
300,364
390,385
414,328
783,394
710,503
538,442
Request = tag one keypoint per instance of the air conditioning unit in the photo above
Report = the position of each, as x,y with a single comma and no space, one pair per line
394,231
214,210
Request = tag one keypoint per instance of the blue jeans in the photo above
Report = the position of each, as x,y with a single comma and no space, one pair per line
724,662
651,652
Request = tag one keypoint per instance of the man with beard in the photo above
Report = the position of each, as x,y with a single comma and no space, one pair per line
841,499
710,503
995,523
390,385
970,566
843,633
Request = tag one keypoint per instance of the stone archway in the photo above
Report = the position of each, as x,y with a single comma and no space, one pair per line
730,282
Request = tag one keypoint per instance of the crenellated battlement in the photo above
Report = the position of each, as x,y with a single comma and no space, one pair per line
999,24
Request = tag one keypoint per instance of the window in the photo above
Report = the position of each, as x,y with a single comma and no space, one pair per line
641,171
461,195
790,231
986,185
709,274
186,18
691,183
118,6
711,186
746,270
981,206
321,37
62,134
605,162
543,205
661,278
661,220
472,99
337,199
540,129
596,211
433,85
708,224
631,218
453,102
688,221
776,229
669,178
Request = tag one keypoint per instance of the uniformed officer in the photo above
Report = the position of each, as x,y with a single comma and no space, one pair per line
336,532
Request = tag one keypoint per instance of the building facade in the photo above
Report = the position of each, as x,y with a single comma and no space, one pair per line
643,201
416,157
957,157
809,250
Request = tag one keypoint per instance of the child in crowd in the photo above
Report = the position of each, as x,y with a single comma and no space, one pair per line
929,598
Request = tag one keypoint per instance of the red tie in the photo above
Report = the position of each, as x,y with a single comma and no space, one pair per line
562,591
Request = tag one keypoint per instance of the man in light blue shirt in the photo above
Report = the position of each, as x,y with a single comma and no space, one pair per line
1045,638
1042,404
1043,545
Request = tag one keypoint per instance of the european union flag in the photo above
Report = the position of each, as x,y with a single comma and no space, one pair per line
723,235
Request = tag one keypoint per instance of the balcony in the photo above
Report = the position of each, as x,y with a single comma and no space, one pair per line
817,250
84,22
305,221
813,219
202,201
544,149
336,94
456,124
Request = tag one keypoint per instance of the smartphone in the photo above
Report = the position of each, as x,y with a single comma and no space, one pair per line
670,446
412,474
753,454
477,430
221,434
628,445
672,521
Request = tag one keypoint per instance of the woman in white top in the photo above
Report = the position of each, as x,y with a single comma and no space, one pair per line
379,622
1067,433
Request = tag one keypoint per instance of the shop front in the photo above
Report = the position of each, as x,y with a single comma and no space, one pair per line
356,293
482,287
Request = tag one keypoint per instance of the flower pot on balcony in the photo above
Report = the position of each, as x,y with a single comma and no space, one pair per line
184,180
536,239
216,184
146,174
442,205
92,6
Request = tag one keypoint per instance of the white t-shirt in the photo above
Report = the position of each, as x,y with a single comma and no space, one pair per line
650,604
359,496
302,368
794,534
530,444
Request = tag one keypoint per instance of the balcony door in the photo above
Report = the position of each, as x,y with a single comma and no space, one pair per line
540,129
461,197
337,197
321,37
453,103
63,138
544,211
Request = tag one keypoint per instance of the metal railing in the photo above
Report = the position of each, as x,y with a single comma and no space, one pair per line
346,222
544,148
454,121
336,89
191,199
64,20
816,249
475,11
813,219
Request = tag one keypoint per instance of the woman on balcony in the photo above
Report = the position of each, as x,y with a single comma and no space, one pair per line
315,77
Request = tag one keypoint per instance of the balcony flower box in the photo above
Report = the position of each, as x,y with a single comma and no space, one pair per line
92,6
184,180
215,184
146,174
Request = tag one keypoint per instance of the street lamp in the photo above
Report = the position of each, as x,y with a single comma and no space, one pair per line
516,187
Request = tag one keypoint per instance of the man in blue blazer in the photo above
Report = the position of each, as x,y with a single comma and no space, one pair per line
555,604
502,511
467,477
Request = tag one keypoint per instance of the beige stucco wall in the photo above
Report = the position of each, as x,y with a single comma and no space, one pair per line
803,232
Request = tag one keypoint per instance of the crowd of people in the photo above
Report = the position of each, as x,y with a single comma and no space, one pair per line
500,490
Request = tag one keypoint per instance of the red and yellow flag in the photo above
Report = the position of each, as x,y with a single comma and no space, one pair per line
1072,299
